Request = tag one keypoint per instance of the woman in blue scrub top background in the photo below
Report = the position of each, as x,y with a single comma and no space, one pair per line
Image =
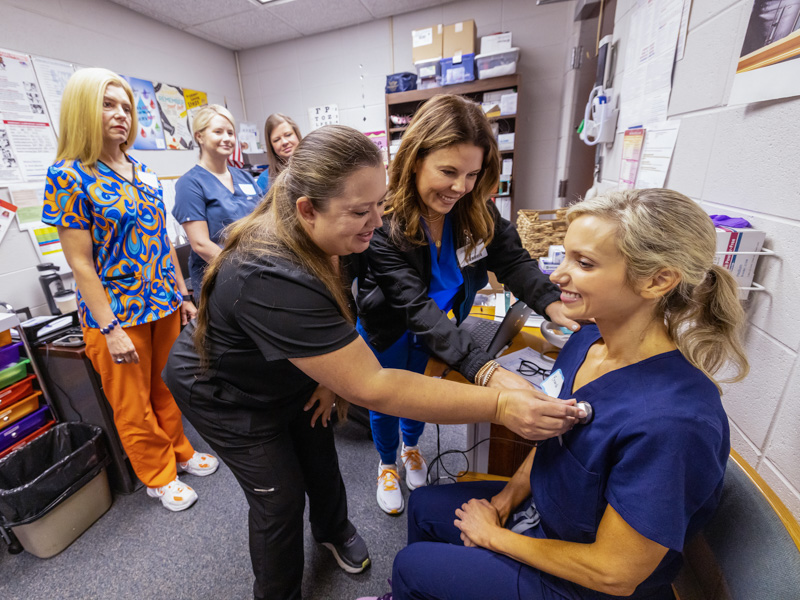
212,195
605,510
440,236
282,136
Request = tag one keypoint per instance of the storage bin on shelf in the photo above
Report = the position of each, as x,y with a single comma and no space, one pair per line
9,354
458,72
537,233
497,64
429,73
14,373
16,391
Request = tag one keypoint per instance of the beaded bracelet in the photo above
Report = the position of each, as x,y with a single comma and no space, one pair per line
485,373
108,328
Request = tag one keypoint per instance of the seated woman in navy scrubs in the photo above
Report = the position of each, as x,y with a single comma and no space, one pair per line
212,195
604,510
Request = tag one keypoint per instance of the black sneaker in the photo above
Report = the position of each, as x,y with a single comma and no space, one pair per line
352,555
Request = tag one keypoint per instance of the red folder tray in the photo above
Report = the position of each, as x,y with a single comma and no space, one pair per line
27,438
16,391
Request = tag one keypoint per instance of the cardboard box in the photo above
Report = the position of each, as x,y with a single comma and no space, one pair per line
742,266
459,39
497,42
426,43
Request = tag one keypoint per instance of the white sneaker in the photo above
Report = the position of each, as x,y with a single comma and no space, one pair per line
200,465
390,497
415,466
175,496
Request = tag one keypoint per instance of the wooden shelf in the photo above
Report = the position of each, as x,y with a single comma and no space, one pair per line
471,87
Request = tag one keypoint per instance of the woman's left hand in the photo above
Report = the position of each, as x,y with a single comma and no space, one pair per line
555,311
188,311
476,519
327,402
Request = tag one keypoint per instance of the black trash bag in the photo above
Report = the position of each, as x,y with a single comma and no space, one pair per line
41,474
401,82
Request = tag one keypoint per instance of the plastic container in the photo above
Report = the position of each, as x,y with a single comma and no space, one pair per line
429,73
5,337
16,391
454,73
14,373
9,354
27,438
497,64
16,411
24,427
38,480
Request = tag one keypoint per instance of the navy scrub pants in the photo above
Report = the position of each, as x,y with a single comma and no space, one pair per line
277,458
436,564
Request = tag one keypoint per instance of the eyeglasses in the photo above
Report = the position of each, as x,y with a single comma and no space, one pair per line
527,368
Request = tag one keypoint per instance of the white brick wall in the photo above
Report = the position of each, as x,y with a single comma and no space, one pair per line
744,161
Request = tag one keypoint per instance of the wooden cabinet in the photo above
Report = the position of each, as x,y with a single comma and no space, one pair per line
405,104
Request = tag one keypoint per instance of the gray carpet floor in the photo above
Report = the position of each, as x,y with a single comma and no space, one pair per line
140,550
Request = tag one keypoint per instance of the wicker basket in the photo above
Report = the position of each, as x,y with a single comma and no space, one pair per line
538,233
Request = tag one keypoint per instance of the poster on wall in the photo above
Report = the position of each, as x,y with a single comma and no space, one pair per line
53,76
48,247
379,139
174,121
631,152
151,134
248,138
319,116
769,62
29,200
194,101
28,139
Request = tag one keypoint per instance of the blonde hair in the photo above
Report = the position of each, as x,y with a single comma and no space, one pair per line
444,121
203,119
319,170
81,121
275,162
658,228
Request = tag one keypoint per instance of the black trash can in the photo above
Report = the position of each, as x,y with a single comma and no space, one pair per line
54,487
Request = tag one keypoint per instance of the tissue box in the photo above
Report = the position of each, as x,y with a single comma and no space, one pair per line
742,266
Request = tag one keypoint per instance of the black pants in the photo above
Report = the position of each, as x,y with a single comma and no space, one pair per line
277,458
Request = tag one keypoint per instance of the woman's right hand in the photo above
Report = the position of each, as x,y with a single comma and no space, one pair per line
535,415
121,347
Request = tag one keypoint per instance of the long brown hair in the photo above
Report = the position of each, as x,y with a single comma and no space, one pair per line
275,162
319,170
659,228
443,121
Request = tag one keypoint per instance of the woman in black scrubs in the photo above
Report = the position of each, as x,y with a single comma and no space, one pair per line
275,324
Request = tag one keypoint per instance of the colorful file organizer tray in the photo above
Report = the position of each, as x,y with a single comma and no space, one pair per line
14,373
9,355
16,411
16,391
27,425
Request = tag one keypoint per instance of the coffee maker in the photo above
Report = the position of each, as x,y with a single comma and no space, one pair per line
52,285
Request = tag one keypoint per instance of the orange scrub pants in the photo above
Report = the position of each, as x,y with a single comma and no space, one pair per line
148,421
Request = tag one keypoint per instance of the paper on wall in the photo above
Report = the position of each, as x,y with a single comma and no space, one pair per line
323,115
28,142
29,200
659,144
48,247
7,212
174,116
194,101
631,154
53,76
248,138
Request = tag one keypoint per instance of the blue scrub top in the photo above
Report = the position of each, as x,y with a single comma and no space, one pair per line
656,451
446,277
200,196
263,180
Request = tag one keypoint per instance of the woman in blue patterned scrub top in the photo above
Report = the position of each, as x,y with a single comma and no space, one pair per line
110,216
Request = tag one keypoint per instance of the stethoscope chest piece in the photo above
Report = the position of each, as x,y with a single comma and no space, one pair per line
589,413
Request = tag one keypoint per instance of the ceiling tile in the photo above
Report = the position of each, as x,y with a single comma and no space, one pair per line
388,8
247,30
321,15
187,13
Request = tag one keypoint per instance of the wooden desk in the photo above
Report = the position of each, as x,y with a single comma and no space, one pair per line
507,450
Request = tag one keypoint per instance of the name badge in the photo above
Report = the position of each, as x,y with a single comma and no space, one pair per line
478,253
552,385
247,189
148,178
